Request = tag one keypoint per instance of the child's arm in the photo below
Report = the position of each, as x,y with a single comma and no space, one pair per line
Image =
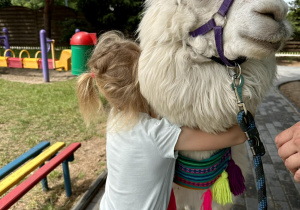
192,139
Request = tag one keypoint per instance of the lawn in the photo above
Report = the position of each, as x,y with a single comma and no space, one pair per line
31,113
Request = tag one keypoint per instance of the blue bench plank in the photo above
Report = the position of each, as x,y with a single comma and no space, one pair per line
33,152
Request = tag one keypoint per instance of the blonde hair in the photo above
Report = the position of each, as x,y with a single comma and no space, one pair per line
114,65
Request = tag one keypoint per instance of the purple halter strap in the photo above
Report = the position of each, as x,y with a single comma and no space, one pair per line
211,25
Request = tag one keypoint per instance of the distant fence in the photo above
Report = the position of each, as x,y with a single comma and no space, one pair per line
34,47
291,46
24,24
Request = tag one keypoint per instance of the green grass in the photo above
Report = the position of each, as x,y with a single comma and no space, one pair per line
31,113
81,175
54,175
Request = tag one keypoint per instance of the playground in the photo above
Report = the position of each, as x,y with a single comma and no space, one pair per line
60,60
36,113
32,113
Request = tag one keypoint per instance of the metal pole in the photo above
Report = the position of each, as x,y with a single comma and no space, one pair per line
53,53
6,41
67,178
44,182
44,55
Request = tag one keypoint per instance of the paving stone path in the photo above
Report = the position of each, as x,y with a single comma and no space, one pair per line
274,115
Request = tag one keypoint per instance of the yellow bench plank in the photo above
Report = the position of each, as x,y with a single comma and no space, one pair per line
30,166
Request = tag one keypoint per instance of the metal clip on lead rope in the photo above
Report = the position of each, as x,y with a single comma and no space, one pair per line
247,124
237,85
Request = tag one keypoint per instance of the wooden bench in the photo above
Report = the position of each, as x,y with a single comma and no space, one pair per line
11,180
32,153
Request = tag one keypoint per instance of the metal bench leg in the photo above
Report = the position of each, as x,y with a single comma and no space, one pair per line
44,182
67,175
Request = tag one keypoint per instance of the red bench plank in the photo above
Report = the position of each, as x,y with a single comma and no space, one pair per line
14,195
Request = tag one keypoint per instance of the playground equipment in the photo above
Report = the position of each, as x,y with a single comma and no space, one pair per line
64,62
82,44
15,172
4,39
12,62
31,63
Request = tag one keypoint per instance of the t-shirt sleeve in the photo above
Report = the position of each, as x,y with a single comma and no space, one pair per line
165,136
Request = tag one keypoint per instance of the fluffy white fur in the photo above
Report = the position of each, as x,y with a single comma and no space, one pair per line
184,86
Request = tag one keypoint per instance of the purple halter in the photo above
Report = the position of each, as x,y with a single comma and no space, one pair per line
211,25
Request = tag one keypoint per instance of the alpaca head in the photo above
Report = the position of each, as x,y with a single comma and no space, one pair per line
175,72
253,29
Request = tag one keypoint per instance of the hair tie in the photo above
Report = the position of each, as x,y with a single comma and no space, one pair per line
92,74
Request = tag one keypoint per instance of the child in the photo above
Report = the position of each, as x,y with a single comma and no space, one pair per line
141,150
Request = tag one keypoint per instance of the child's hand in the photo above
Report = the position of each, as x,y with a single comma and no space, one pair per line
288,144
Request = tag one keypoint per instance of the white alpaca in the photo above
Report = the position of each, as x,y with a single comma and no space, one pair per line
183,85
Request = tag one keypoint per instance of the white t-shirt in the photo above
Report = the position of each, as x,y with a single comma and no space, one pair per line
140,165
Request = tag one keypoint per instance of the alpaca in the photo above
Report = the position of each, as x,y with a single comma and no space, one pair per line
183,85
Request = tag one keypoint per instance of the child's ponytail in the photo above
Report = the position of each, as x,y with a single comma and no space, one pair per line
88,98
114,66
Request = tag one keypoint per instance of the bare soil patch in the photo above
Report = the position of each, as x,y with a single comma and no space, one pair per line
287,61
33,76
291,90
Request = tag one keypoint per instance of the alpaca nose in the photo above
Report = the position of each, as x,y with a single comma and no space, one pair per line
275,11
271,14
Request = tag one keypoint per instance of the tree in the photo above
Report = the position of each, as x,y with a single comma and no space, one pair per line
47,16
70,3
36,4
32,4
5,3
294,18
123,15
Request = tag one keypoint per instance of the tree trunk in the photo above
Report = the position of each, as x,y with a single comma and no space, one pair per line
47,16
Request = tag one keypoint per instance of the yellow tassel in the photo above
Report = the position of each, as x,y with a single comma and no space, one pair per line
221,190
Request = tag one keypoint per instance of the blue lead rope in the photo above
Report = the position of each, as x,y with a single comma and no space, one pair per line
247,124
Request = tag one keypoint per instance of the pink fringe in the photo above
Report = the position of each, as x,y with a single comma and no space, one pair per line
207,199
236,178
